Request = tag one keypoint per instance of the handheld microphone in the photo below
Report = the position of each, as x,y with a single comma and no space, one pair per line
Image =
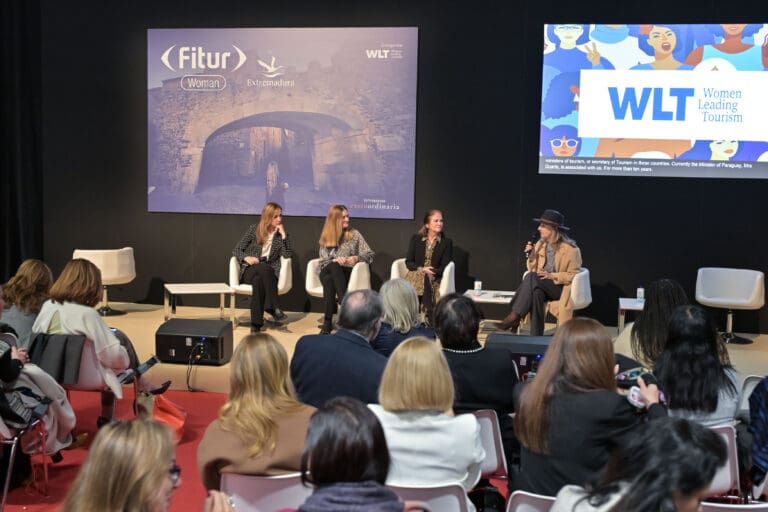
532,241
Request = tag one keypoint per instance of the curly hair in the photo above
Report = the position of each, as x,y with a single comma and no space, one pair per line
29,287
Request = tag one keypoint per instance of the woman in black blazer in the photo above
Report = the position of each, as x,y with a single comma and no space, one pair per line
429,252
259,253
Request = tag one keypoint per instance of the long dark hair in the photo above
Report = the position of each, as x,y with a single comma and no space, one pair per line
345,443
649,333
689,370
579,359
457,322
669,456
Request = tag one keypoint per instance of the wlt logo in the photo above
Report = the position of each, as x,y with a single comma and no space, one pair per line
377,54
637,107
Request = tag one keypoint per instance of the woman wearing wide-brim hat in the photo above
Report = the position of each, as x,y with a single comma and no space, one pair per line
552,264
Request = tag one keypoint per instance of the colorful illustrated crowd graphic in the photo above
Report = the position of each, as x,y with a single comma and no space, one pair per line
570,48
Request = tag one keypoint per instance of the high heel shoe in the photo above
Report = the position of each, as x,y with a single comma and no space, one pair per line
327,327
162,388
278,315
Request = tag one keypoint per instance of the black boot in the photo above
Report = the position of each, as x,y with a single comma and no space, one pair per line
510,323
327,326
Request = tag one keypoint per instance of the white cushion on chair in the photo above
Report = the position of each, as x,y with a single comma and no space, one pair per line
284,280
447,283
732,288
581,290
117,266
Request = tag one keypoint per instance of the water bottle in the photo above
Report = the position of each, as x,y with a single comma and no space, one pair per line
641,293
478,285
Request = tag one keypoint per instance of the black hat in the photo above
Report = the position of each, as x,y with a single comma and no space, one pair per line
553,218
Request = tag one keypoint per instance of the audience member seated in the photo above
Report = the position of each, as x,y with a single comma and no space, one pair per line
667,467
429,252
427,443
259,252
643,340
346,459
341,248
325,366
25,293
484,377
401,317
571,417
131,465
70,310
261,427
696,384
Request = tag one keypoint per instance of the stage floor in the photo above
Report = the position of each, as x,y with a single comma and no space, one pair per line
142,320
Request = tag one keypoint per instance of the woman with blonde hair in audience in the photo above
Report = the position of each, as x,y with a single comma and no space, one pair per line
25,293
131,467
571,418
427,443
341,248
261,428
401,316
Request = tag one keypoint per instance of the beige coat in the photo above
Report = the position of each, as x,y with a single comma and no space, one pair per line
567,265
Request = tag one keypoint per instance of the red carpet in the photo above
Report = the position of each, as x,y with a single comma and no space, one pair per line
201,408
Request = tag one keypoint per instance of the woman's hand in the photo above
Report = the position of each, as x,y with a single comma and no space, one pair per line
281,229
430,271
251,260
218,502
544,275
650,393
528,248
20,354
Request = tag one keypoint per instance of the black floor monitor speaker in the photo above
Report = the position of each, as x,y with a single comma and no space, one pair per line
183,341
527,351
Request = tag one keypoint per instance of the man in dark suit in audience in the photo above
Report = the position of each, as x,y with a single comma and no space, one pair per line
342,364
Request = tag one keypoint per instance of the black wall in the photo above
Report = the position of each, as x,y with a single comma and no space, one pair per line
477,147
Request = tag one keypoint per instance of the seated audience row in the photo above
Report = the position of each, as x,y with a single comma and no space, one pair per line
402,319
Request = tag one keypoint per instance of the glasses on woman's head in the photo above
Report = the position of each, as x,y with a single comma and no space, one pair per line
571,143
175,473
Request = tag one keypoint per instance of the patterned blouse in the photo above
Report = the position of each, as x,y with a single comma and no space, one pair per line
355,246
248,246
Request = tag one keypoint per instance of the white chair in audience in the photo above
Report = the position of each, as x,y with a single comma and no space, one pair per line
728,507
726,480
447,283
284,280
360,279
730,288
495,464
749,384
450,497
117,266
251,493
522,501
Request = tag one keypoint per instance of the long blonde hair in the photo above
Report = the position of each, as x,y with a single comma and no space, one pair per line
28,288
260,389
269,212
125,469
579,359
332,233
417,378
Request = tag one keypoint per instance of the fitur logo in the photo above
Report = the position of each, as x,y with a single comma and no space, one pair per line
197,57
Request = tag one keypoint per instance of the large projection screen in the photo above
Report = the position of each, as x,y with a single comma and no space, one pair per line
305,117
671,100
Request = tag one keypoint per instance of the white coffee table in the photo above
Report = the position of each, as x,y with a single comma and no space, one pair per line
173,289
628,304
490,296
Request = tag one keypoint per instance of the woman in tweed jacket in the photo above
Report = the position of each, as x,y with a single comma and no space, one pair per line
341,247
259,253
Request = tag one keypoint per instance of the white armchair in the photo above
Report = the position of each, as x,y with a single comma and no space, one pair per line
581,289
117,266
730,288
284,280
360,279
447,282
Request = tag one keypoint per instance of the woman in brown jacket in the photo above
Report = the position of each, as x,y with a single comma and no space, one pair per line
262,426
552,264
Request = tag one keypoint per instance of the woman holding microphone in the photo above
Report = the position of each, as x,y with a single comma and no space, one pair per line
259,252
552,264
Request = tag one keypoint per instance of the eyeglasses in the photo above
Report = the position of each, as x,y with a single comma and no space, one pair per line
571,143
175,473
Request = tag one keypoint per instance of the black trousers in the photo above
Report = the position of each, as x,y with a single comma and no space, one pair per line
532,297
264,298
335,279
